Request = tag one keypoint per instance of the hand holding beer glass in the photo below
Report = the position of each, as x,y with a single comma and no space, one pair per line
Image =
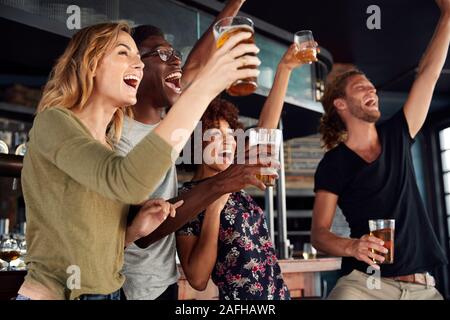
223,30
307,47
267,144
384,230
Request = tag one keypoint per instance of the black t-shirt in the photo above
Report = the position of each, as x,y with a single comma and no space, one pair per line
383,189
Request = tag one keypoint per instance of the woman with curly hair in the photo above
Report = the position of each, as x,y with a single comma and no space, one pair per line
230,241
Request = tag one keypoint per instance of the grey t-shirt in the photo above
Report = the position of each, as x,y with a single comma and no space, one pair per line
151,270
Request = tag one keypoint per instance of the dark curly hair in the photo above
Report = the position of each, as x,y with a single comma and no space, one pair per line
332,128
218,109
221,109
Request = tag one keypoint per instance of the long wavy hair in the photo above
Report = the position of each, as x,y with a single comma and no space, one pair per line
332,128
72,78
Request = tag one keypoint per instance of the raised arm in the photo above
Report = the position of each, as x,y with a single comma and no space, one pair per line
219,73
58,136
430,67
271,111
206,45
324,240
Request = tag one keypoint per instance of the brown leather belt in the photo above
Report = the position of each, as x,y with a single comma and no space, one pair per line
425,279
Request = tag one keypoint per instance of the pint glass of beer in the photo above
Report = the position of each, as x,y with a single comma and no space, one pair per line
308,49
223,30
384,230
268,143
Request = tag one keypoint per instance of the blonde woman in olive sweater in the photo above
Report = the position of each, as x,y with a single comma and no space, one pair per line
76,188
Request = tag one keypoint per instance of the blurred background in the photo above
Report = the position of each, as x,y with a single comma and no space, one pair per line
35,32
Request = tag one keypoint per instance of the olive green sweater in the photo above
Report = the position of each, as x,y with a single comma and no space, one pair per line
76,193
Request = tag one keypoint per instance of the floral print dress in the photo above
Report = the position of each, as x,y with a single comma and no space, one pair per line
246,267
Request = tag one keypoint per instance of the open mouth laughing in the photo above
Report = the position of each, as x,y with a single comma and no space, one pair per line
132,81
227,156
173,81
371,102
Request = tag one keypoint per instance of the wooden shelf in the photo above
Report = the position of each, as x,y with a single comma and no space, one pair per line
16,112
10,165
4,106
312,265
10,283
301,276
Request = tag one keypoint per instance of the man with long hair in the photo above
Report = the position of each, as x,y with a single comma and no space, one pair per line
368,171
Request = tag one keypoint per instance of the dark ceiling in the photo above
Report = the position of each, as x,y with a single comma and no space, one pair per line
28,51
388,56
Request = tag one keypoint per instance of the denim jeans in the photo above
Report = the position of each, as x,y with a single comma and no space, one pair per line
112,296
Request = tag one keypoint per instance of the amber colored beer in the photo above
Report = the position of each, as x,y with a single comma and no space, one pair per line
243,87
309,256
268,181
307,55
9,256
307,47
387,235
267,152
266,175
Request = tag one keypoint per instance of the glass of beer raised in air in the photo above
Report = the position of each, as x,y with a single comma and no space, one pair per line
268,143
307,46
223,30
384,230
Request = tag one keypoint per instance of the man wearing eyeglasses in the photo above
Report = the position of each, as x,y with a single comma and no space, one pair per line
150,269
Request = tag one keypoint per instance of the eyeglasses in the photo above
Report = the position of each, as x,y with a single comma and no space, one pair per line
164,54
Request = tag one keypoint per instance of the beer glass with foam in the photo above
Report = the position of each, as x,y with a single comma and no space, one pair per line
223,30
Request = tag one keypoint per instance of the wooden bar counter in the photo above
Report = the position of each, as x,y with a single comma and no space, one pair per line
302,277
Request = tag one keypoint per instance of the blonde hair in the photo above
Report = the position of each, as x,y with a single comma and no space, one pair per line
72,78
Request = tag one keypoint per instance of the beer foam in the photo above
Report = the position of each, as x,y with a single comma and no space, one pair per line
242,27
